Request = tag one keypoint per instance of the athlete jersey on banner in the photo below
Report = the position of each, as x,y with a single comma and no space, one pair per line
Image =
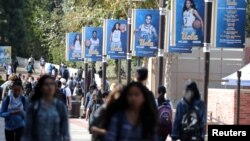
116,36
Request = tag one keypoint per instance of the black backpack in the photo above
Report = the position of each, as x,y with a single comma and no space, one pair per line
62,95
191,124
65,73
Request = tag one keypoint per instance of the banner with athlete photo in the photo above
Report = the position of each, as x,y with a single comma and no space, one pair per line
187,23
229,23
92,47
5,55
115,39
74,51
145,30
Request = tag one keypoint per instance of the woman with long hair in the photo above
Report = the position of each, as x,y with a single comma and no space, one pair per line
76,46
47,118
115,36
13,110
190,16
132,116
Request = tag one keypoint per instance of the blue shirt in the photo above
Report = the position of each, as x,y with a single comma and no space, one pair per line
13,122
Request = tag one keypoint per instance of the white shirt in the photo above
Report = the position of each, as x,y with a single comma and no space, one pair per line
68,92
94,43
147,32
78,47
116,36
188,18
9,71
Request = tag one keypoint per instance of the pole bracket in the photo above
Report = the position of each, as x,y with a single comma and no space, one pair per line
129,56
160,52
129,20
162,11
206,47
104,58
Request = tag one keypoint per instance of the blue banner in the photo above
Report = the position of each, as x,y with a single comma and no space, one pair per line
188,23
115,39
92,37
145,30
230,23
74,50
5,55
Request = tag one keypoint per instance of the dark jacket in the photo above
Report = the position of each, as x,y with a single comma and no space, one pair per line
181,110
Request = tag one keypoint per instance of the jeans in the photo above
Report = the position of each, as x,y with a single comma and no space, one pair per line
14,135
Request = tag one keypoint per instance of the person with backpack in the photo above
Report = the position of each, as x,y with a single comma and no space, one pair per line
42,65
13,110
31,60
72,84
88,98
190,118
65,73
78,91
15,65
47,117
30,69
164,115
54,72
65,94
79,74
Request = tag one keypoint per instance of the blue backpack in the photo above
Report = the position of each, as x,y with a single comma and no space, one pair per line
165,118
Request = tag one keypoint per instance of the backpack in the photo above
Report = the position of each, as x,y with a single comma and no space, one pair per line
8,102
29,68
65,73
165,118
191,124
79,91
63,95
42,62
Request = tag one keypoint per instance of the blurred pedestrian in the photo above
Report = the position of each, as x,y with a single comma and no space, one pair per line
15,65
31,60
7,86
30,69
79,74
42,65
98,125
88,96
13,110
78,91
54,72
47,117
9,71
164,115
132,116
65,91
190,118
72,84
141,76
49,69
65,73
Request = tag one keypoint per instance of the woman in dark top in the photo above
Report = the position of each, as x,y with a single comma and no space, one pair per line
47,117
132,116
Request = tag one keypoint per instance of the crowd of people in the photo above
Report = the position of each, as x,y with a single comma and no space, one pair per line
37,109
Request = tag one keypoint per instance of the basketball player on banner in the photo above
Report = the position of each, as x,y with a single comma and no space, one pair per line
93,43
192,21
115,37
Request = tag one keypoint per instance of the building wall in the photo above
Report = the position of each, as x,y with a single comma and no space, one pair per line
222,103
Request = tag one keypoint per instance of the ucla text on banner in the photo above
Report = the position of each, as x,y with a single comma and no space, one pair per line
92,47
169,48
115,39
229,23
187,23
145,30
5,55
74,51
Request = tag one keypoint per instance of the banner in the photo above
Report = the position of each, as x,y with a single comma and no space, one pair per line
5,55
187,23
115,39
230,23
168,47
92,37
145,30
74,51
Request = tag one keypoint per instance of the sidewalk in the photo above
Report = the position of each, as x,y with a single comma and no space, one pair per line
78,130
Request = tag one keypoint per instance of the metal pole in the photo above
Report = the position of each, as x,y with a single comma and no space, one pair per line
104,61
119,71
85,79
129,55
162,9
138,61
238,97
206,47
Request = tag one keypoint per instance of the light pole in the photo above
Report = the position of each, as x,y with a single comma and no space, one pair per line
129,54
